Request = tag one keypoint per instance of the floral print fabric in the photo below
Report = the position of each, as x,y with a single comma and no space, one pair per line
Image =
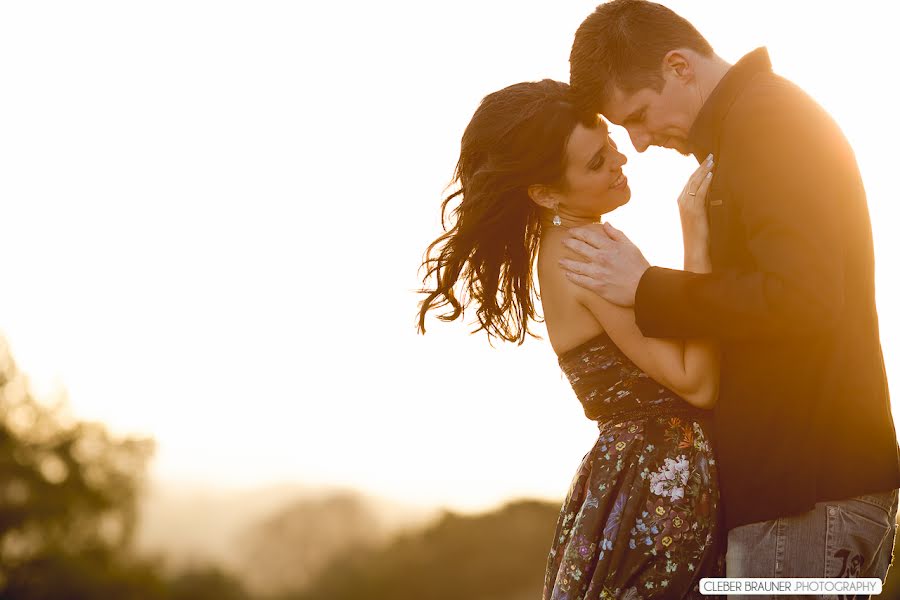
641,518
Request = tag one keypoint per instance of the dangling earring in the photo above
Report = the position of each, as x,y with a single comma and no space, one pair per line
557,221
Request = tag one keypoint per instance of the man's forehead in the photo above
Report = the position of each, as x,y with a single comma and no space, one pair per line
620,104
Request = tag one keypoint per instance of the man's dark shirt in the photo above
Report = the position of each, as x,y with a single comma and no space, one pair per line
803,414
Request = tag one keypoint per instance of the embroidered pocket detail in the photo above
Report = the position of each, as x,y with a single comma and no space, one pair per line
855,535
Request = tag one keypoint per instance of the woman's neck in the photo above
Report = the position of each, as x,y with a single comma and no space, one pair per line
566,221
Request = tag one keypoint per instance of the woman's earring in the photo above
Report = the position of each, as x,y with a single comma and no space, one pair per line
556,218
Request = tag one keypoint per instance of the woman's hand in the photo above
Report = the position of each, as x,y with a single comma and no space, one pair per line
692,201
694,221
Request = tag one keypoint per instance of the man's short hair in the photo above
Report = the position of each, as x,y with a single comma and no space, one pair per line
622,44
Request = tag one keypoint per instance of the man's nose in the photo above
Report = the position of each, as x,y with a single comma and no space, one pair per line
639,139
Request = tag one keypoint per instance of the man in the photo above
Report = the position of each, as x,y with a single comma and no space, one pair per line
807,451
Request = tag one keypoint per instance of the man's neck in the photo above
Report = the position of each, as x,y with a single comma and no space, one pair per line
710,73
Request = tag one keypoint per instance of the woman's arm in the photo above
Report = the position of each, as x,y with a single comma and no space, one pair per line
690,368
687,367
701,356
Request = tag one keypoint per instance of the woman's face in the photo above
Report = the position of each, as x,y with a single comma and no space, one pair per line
594,182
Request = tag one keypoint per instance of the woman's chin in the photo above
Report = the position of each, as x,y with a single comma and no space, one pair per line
624,197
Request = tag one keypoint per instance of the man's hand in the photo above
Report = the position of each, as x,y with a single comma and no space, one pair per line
613,265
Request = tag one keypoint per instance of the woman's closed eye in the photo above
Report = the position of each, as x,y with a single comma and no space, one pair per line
638,118
600,157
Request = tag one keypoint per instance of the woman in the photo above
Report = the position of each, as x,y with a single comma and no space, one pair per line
641,517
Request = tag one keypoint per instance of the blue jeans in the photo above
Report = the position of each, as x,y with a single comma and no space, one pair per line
841,538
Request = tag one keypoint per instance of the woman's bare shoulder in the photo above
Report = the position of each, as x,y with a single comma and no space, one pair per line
569,322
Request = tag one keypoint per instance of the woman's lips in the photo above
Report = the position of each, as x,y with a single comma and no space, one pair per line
620,182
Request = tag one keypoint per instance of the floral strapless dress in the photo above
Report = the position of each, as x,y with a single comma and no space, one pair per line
641,518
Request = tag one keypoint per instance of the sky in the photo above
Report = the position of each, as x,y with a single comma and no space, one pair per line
214,214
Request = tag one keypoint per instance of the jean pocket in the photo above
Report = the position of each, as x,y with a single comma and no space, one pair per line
855,537
887,501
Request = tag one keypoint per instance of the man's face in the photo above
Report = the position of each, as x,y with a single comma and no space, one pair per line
656,118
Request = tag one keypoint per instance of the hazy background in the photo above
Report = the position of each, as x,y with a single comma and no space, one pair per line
214,212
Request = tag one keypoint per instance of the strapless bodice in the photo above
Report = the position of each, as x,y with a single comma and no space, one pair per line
610,386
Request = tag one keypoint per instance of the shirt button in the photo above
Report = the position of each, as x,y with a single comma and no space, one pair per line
832,510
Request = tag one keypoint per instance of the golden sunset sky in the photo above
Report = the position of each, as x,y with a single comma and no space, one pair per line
214,212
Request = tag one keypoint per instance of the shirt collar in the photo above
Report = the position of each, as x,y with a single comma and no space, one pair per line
704,133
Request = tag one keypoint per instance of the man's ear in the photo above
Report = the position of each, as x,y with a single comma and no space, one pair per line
677,63
542,196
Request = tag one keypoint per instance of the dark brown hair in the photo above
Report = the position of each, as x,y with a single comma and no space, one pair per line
516,138
623,43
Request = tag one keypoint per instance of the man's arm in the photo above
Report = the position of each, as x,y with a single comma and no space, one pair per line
790,175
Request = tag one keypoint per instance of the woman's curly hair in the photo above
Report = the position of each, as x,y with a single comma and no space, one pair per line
516,138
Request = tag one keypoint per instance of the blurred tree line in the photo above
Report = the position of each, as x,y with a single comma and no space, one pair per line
68,509
68,512
499,555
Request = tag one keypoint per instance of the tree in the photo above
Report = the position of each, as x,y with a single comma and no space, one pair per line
499,555
68,494
287,550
